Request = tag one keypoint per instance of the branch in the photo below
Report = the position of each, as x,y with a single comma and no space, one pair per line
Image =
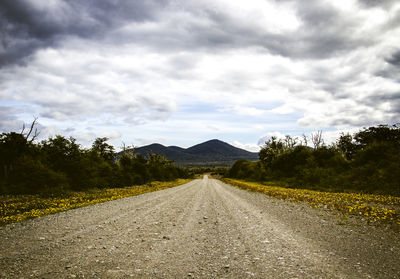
23,129
30,130
35,135
317,139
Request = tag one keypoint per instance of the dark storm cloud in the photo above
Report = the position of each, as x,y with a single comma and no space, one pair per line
326,31
394,59
392,69
26,26
378,3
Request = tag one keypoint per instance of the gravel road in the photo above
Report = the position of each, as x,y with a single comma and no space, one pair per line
203,229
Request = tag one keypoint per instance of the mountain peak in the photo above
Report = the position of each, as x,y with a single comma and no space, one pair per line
214,141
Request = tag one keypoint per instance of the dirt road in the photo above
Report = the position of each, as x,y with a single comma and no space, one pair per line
203,229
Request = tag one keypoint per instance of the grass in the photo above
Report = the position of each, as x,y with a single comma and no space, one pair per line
16,208
375,208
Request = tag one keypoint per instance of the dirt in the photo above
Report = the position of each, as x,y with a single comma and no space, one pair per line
203,229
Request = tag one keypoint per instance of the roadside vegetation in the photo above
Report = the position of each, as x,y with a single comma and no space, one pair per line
366,162
16,208
375,208
59,165
210,170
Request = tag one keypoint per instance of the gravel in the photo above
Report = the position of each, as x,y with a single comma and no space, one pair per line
203,229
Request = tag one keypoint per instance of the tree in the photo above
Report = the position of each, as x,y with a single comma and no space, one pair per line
274,148
290,142
103,149
159,167
271,150
346,145
246,170
13,145
65,155
317,139
289,163
381,133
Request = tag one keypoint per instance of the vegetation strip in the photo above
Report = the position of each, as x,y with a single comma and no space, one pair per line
376,208
16,208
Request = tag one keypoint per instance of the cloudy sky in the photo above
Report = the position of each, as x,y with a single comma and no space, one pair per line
181,72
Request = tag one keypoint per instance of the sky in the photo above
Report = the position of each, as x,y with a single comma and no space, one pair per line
183,72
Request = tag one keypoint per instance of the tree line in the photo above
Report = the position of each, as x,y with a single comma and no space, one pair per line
367,161
60,164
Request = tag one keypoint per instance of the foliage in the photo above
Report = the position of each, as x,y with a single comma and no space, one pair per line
16,208
103,149
368,161
220,170
376,208
346,145
60,164
246,170
273,149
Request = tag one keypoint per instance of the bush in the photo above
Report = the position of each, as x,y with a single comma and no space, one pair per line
31,176
247,170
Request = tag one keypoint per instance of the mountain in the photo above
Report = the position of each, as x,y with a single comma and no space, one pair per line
214,147
210,153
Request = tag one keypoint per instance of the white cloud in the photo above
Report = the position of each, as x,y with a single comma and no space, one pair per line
247,146
272,16
243,110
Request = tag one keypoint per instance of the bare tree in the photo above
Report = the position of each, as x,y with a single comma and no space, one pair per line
305,139
28,134
317,139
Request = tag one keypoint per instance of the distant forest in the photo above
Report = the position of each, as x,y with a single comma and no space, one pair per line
367,161
59,164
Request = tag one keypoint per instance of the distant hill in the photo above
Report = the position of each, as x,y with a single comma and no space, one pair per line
210,153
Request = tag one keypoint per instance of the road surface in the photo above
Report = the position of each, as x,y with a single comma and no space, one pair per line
203,229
